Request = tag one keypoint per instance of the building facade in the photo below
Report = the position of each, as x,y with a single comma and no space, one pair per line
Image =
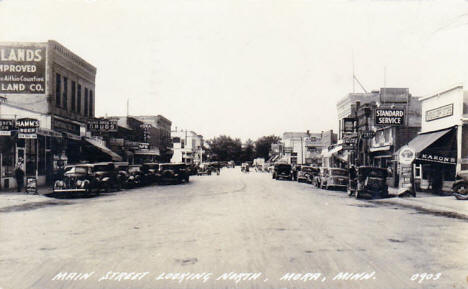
304,148
440,151
47,82
187,147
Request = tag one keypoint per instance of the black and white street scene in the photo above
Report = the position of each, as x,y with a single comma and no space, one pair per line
255,144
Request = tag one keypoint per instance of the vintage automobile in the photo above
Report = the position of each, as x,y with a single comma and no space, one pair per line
204,169
245,167
231,164
307,174
87,179
368,182
122,173
336,178
149,173
460,186
172,173
135,176
282,171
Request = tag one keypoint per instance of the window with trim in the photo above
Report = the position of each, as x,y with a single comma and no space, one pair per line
65,91
85,102
73,96
58,90
78,100
90,102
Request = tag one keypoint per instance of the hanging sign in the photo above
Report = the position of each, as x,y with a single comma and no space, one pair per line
102,125
389,116
6,126
27,128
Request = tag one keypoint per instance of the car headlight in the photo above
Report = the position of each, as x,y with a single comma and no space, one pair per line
131,177
59,184
79,183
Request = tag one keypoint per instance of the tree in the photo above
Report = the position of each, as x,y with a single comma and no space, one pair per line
224,148
263,146
248,151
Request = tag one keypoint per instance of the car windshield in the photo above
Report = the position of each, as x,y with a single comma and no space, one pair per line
284,167
377,173
338,173
101,168
169,167
79,170
133,169
307,169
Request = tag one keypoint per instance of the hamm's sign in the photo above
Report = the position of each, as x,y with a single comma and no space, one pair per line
22,69
389,116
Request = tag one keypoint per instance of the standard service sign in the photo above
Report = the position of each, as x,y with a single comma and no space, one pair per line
389,116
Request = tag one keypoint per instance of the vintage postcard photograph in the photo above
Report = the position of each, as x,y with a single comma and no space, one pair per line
247,144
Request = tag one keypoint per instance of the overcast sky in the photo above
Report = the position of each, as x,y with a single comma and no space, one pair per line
248,68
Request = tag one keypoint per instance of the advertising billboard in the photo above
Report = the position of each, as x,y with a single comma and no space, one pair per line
22,69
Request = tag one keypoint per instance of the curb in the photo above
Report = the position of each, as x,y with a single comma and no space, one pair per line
428,209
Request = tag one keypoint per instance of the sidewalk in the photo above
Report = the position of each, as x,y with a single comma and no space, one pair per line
12,200
438,205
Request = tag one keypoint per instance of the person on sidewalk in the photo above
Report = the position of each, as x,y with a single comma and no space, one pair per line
19,176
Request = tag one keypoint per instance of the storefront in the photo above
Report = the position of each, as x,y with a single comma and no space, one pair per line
440,150
434,166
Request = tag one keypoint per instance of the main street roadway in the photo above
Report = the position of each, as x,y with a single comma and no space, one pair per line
236,230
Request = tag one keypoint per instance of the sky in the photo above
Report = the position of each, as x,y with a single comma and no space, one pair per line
249,68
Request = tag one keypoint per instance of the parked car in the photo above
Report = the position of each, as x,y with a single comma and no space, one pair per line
336,178
231,164
122,173
87,179
245,167
460,186
149,172
204,169
135,176
369,182
282,171
172,173
307,174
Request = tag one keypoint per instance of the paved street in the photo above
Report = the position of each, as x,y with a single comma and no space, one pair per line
235,222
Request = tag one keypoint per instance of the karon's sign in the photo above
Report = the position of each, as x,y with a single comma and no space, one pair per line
22,69
389,116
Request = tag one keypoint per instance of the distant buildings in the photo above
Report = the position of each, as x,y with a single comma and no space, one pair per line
305,147
187,147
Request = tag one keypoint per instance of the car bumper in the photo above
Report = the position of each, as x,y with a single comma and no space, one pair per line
68,190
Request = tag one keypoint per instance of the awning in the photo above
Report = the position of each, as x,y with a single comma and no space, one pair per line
344,156
104,149
379,149
150,152
72,136
48,132
422,141
331,152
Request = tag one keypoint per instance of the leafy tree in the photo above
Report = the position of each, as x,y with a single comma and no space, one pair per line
248,151
224,148
263,146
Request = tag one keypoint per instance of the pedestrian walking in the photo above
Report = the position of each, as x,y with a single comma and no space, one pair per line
19,176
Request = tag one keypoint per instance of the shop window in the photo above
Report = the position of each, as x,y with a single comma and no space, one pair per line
78,100
86,102
73,96
42,156
65,92
31,157
58,89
